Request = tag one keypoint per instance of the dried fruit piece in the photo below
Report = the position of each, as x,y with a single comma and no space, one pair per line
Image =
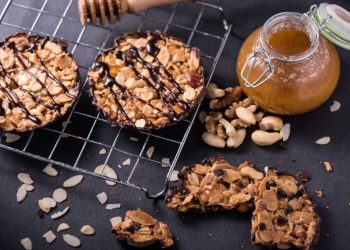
59,195
62,227
59,213
71,240
49,237
323,140
107,171
102,197
25,178
140,229
50,170
87,230
21,193
27,243
73,181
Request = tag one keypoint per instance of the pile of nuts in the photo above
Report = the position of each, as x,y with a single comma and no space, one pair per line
228,128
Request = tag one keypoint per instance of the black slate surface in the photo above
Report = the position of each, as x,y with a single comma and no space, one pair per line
228,230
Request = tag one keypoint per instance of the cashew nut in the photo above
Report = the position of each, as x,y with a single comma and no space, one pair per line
230,129
213,91
236,140
263,138
201,116
246,115
271,123
213,140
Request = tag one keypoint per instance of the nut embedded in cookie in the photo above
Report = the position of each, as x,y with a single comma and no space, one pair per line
147,81
141,230
214,185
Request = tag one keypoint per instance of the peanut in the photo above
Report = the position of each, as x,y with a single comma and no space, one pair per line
271,123
263,138
213,140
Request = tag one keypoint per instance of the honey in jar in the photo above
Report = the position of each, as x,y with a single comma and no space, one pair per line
287,67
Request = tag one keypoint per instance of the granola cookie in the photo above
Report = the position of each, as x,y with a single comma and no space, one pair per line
147,81
214,185
39,82
140,230
284,214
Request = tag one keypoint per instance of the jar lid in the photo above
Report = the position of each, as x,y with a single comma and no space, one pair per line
337,29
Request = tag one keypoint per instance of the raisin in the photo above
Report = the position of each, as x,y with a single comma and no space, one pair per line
288,209
281,220
262,226
281,194
219,172
239,183
270,183
221,181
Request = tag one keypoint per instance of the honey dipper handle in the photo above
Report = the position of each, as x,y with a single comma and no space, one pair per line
139,5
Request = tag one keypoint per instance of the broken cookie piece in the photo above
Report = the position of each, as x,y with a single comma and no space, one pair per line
141,230
284,214
214,185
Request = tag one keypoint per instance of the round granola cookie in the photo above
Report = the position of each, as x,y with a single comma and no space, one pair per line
39,82
147,81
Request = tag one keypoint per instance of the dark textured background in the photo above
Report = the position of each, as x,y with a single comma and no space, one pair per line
228,230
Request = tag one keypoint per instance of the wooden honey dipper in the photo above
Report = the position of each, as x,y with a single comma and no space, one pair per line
91,10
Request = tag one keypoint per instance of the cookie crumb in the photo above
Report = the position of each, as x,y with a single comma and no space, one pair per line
319,193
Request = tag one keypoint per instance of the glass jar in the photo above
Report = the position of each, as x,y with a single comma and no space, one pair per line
287,67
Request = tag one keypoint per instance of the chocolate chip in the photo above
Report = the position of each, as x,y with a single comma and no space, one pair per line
270,183
221,181
262,226
281,220
281,194
288,209
136,226
239,183
219,172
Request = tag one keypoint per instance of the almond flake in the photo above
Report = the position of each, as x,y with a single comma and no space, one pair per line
285,132
65,123
10,138
102,197
107,171
73,181
103,151
71,240
323,140
150,152
28,187
25,178
50,170
21,193
59,195
27,243
127,162
335,106
113,206
166,162
87,230
49,237
43,207
59,213
46,204
174,176
62,227
131,138
115,220
328,166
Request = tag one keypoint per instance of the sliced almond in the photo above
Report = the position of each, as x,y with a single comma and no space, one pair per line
87,230
103,151
335,106
71,240
25,178
106,171
27,243
21,193
323,140
150,152
166,162
49,237
43,207
10,138
102,197
62,227
59,195
113,206
328,166
285,132
50,170
28,187
127,162
132,138
46,204
73,181
115,220
59,213
174,176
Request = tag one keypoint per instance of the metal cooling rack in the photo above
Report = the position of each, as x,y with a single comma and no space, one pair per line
75,143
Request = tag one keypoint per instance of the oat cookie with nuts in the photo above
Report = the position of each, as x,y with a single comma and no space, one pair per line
284,214
141,230
214,185
39,82
147,81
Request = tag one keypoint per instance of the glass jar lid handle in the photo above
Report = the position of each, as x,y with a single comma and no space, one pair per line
322,23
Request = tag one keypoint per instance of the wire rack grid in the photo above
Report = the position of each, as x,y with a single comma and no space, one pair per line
79,141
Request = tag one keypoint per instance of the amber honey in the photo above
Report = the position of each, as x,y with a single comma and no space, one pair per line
289,41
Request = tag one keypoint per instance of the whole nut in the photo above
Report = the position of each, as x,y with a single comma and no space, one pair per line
213,140
236,140
271,123
229,128
263,138
213,91
246,115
